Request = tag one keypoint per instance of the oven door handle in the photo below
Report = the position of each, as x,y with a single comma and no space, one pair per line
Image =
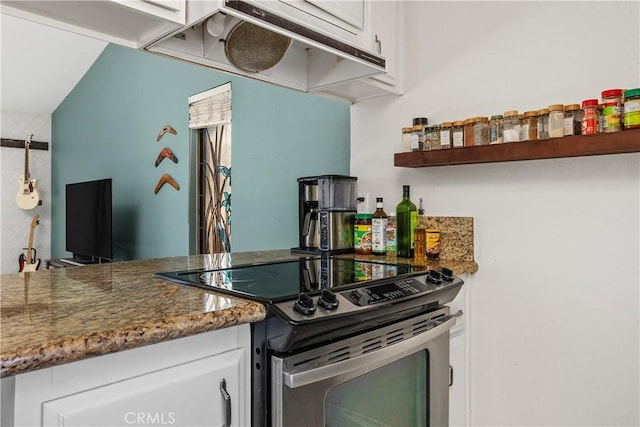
370,361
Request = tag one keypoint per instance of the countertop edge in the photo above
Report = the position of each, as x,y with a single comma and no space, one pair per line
105,342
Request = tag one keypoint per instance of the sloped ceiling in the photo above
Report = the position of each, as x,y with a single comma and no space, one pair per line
40,65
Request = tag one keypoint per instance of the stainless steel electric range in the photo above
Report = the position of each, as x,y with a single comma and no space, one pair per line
345,342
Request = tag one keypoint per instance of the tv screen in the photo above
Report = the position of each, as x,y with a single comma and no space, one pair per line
88,219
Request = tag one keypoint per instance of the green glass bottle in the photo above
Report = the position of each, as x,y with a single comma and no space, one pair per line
407,217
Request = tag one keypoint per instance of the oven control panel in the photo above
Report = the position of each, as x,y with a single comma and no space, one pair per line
386,292
336,302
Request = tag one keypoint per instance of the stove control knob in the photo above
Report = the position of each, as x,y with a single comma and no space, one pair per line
328,300
447,274
360,297
304,305
434,277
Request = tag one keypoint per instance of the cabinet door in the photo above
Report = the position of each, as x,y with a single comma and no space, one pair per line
384,36
190,394
458,388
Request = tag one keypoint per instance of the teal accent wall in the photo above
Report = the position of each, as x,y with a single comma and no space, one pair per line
107,128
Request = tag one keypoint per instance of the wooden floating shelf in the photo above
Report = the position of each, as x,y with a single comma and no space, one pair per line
627,141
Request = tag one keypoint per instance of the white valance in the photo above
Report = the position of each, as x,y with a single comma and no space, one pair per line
211,107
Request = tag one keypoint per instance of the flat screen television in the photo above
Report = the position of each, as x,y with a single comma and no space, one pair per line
89,221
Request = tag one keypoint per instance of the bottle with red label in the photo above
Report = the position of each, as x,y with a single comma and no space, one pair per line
590,116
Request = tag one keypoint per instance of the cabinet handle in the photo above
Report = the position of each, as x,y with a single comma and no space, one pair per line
226,397
379,43
450,375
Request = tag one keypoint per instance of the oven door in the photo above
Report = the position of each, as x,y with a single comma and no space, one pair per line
396,376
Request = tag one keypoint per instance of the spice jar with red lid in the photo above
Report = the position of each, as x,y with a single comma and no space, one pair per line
590,116
611,110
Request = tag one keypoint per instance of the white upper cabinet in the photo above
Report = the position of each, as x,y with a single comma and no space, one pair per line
382,36
131,23
344,19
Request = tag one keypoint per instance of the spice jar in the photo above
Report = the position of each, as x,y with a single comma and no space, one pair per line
590,117
529,126
406,139
543,123
632,108
511,126
556,120
416,131
426,139
611,110
457,134
496,127
572,120
435,137
481,131
445,135
362,238
469,129
433,243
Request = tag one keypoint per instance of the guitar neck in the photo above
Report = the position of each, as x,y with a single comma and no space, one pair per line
26,161
29,257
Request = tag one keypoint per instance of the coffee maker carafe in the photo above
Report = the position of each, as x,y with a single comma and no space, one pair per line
327,207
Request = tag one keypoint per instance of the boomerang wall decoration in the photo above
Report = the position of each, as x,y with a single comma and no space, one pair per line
166,153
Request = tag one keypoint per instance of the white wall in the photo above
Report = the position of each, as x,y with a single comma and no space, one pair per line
14,222
554,307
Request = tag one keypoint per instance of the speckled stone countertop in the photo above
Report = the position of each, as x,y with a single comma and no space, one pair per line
51,317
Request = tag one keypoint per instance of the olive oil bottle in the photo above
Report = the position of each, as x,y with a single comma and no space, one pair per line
407,217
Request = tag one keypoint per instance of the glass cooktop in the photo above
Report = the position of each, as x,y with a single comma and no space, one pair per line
280,281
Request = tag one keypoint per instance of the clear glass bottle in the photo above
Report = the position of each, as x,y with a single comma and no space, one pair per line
445,135
457,134
496,129
406,217
379,229
543,123
511,131
572,120
529,126
556,120
481,131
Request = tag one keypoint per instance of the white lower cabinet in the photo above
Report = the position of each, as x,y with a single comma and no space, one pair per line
459,359
202,380
191,394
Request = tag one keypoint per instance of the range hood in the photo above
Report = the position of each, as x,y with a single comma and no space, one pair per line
258,39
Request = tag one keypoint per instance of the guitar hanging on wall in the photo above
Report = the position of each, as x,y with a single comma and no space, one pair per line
30,263
28,196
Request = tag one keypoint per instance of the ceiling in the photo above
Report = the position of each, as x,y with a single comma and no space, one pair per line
40,65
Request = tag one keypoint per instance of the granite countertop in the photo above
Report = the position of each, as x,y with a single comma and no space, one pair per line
57,316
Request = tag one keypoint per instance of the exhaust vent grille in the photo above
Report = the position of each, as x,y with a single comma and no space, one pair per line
366,343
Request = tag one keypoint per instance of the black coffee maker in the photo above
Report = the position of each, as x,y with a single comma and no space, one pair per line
326,210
